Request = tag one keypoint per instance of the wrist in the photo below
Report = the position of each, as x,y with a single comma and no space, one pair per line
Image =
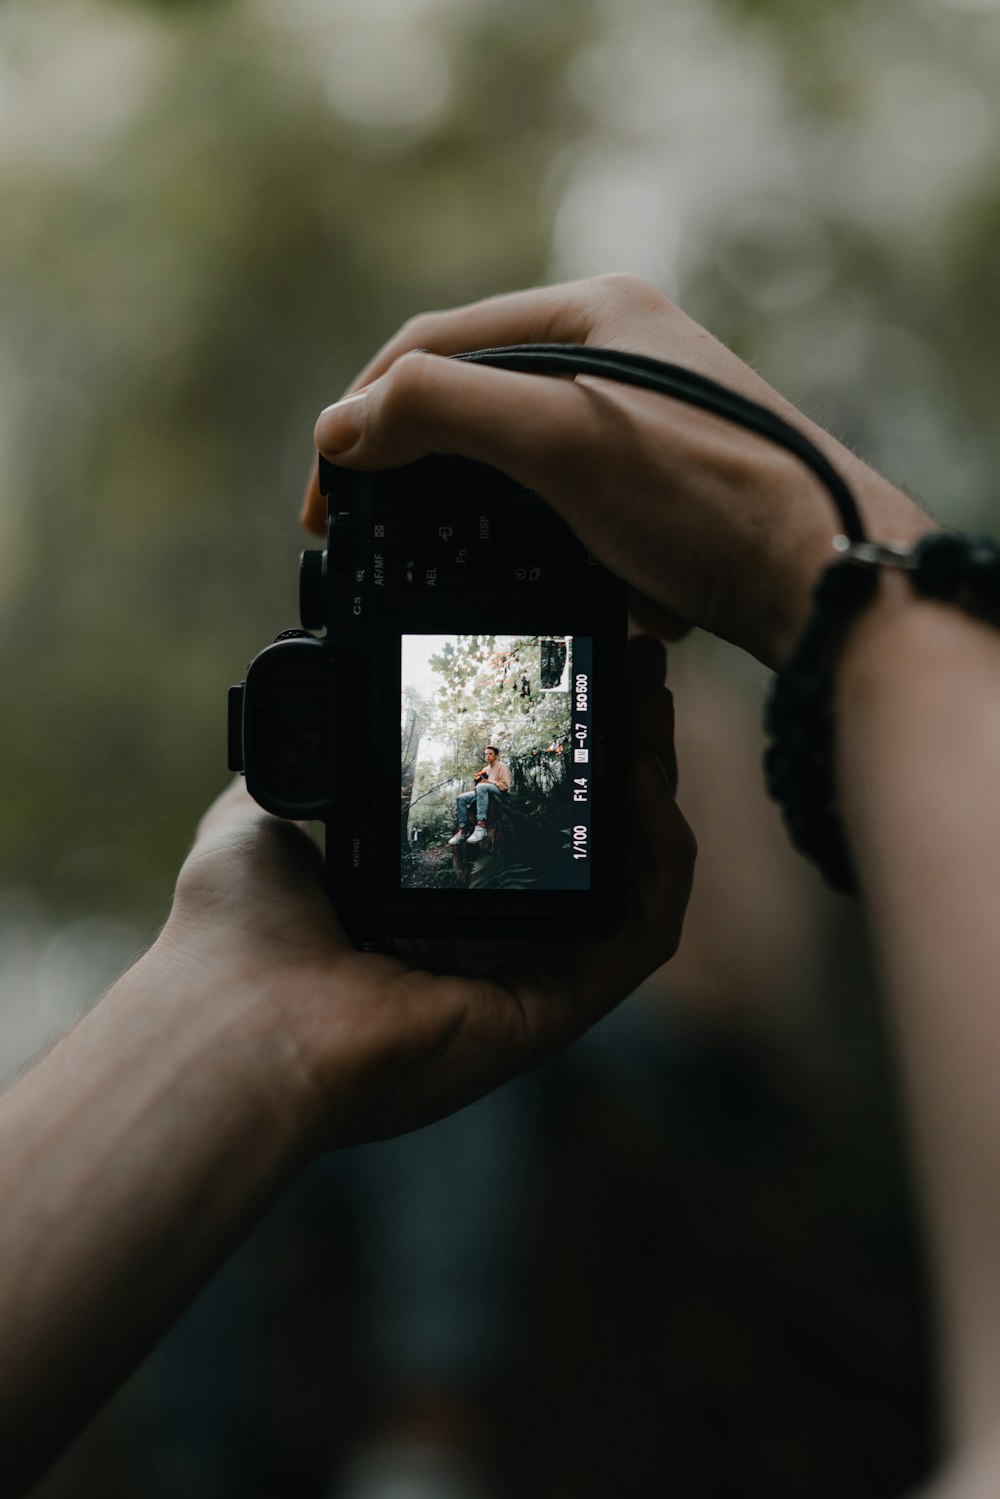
902,646
889,516
863,611
791,605
254,1020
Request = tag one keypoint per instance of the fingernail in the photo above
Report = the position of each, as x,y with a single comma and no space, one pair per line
339,427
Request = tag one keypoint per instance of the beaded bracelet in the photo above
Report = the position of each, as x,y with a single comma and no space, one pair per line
959,569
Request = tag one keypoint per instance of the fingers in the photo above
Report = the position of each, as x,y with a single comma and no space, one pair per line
667,844
664,870
235,811
559,991
514,1008
531,426
563,990
312,514
650,618
232,809
244,853
546,434
598,310
646,664
651,706
560,988
546,314
660,871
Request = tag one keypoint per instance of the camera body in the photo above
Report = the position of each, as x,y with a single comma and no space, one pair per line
459,612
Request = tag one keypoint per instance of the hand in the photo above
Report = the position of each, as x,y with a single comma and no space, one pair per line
385,1045
706,520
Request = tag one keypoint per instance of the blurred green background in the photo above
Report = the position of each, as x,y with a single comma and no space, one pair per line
212,213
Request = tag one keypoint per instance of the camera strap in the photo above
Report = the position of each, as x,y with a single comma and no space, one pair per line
683,385
960,570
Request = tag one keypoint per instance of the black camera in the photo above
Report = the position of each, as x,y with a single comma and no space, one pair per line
473,658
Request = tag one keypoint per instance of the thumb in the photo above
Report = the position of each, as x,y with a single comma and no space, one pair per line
533,427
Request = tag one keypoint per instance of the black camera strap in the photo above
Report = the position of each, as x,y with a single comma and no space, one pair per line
683,385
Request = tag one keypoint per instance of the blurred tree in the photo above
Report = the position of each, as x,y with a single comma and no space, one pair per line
177,314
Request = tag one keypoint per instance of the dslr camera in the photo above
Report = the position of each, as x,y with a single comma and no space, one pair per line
452,709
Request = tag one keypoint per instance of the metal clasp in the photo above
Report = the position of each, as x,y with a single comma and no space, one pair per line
874,553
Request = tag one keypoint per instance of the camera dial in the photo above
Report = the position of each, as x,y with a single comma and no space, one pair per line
312,590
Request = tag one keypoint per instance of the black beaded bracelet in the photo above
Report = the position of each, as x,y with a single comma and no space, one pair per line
959,569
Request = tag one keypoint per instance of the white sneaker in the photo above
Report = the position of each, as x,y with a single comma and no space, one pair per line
458,838
477,836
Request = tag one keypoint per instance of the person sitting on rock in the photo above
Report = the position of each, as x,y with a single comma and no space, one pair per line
492,780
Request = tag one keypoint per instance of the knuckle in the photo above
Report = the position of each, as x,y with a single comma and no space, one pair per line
625,287
427,330
419,328
405,385
622,292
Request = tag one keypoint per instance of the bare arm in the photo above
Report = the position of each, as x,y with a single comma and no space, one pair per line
138,1151
132,1159
919,754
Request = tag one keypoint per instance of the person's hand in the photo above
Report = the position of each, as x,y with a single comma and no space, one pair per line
385,1045
706,520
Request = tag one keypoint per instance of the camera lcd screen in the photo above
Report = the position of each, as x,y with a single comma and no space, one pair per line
495,762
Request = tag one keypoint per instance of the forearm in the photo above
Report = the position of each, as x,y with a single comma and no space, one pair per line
918,744
132,1159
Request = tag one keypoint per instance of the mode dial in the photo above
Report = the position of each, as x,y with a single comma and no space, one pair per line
312,590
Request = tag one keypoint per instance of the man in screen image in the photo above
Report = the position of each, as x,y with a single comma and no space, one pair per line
492,780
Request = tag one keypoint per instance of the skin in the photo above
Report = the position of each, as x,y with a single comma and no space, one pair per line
711,525
919,709
250,1037
714,527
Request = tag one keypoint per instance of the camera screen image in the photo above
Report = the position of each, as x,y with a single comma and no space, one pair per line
495,774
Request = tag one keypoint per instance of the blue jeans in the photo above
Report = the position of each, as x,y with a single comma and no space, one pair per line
481,797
